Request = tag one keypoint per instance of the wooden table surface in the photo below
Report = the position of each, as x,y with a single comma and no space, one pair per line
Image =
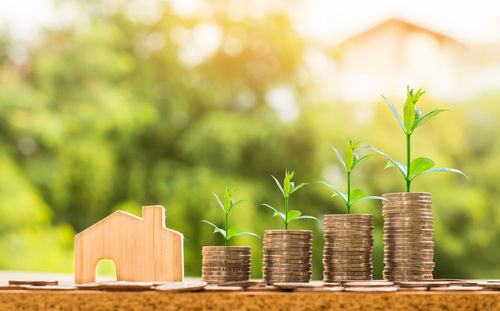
151,300
98,300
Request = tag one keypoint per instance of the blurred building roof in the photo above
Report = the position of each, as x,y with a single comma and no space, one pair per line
395,53
404,27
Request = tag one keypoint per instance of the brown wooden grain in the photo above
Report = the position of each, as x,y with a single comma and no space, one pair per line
142,249
139,301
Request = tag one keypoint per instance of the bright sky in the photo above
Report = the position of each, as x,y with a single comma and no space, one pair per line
475,21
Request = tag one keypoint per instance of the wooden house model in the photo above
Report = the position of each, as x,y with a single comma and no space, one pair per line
142,249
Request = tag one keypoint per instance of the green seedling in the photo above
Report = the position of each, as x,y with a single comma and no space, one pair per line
227,206
287,190
352,159
412,119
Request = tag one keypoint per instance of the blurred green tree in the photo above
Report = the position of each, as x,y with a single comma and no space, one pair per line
122,113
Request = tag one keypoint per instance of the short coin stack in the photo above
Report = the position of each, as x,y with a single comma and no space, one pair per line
408,230
287,256
347,254
223,264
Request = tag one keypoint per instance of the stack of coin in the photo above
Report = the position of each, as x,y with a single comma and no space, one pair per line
408,230
347,254
287,256
223,264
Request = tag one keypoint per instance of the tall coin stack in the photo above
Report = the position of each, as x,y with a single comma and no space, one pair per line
347,254
409,249
223,264
287,256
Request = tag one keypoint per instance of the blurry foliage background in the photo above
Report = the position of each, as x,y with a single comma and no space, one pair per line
118,115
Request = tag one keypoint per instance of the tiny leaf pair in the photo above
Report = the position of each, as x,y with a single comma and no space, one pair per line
352,159
287,189
412,119
412,115
228,204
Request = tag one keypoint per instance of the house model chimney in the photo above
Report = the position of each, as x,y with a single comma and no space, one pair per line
154,216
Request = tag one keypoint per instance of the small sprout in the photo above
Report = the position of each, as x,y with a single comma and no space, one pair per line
227,206
352,159
412,119
287,189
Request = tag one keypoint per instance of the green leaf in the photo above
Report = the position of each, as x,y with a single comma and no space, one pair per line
287,183
233,205
420,165
228,198
220,203
401,166
246,233
356,195
340,193
232,231
389,164
293,214
306,217
298,187
363,158
275,211
417,95
395,113
409,111
349,156
339,157
444,169
372,197
278,184
418,115
217,229
428,116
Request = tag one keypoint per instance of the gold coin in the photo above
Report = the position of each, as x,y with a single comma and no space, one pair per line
408,232
277,254
224,253
224,265
328,264
344,278
287,238
405,204
350,257
34,282
408,272
346,249
346,274
289,234
227,268
347,235
286,274
374,283
409,257
348,226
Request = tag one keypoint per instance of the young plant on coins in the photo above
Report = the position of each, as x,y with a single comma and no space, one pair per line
227,206
352,159
346,235
408,220
222,264
287,189
287,253
413,118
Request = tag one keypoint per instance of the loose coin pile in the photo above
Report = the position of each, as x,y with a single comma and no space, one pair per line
408,230
287,256
347,254
222,264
